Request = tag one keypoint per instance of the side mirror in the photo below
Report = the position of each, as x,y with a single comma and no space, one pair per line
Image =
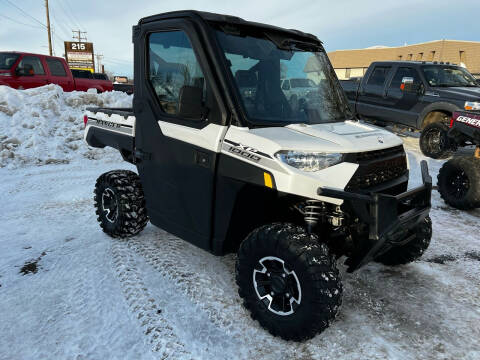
407,84
190,103
26,70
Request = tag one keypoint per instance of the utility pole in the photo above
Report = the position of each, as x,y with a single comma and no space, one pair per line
48,29
79,35
99,62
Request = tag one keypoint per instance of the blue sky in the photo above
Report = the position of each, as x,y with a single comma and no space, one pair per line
339,24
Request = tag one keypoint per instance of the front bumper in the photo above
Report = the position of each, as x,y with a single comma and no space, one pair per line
390,218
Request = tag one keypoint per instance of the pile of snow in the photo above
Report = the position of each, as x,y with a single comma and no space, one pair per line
45,125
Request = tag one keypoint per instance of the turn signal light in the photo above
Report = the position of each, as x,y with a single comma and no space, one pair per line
451,122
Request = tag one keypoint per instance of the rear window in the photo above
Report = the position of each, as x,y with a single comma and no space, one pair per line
7,60
56,67
379,75
100,76
82,74
302,83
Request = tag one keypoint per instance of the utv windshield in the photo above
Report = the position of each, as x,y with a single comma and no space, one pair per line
261,66
448,76
7,60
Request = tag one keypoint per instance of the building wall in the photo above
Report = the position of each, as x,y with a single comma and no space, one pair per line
349,63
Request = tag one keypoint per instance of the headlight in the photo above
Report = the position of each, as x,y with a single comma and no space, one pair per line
312,161
472,105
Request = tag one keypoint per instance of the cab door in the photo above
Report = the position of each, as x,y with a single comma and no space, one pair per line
179,129
372,101
402,104
37,78
58,74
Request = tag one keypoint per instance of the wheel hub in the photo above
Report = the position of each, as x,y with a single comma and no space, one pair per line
277,286
435,140
459,184
109,205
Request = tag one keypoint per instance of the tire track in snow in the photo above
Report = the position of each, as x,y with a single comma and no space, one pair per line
143,306
208,281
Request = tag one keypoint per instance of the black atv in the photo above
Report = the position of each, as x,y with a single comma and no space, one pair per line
459,177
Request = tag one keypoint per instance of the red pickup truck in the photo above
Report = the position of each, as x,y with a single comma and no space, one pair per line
24,71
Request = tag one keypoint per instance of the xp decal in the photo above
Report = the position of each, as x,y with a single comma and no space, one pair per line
245,151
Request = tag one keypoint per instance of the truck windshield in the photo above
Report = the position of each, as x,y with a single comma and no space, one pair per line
448,76
261,69
7,60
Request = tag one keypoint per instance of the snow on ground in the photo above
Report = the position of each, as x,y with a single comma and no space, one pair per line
88,296
45,125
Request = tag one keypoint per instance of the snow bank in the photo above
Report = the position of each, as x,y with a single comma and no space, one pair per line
45,125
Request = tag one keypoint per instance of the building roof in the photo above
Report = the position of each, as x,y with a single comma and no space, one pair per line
453,51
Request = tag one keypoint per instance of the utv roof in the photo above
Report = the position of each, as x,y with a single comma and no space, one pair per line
225,19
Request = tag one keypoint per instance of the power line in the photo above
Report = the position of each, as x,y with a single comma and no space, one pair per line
21,23
64,28
25,13
111,59
70,15
79,36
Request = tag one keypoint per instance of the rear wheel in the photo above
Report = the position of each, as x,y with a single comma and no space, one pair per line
288,281
434,141
459,182
120,204
412,250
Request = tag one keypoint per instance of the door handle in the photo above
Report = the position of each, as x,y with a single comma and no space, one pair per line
142,155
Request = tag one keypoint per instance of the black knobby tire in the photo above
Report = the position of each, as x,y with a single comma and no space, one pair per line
412,250
314,271
459,182
434,141
120,203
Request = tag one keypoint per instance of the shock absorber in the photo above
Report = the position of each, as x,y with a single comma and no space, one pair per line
311,213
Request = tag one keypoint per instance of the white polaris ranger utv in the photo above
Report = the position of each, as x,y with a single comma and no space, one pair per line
227,163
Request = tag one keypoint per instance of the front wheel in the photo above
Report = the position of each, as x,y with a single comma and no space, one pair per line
120,204
288,281
459,182
434,141
412,250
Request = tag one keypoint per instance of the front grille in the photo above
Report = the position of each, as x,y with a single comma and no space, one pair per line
377,167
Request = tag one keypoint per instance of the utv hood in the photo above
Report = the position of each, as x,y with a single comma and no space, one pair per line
343,137
350,135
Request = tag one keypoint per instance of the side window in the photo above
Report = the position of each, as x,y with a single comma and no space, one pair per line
56,67
400,74
174,70
34,62
379,75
